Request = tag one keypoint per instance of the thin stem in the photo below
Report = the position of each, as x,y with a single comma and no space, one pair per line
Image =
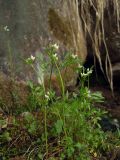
51,75
61,80
39,77
64,128
88,82
46,137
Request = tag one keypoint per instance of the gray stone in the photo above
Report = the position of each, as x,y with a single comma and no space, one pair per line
27,26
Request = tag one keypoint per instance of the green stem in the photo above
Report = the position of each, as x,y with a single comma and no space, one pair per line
88,82
43,85
63,95
50,76
61,80
46,137
64,128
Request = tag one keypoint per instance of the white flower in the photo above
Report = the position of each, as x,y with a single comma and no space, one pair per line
55,56
80,66
84,74
74,56
115,120
89,71
47,95
6,29
30,60
56,46
89,93
32,57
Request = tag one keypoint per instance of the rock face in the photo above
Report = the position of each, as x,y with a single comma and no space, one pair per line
28,26
102,23
112,33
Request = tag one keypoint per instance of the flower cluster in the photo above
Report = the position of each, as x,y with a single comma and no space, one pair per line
55,57
80,66
32,57
30,60
47,96
6,29
74,56
55,46
88,72
52,51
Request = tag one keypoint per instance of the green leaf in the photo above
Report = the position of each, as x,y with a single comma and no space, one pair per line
32,128
28,117
59,126
40,156
6,136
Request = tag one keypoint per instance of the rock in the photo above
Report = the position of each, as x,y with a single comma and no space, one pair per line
29,26
13,93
